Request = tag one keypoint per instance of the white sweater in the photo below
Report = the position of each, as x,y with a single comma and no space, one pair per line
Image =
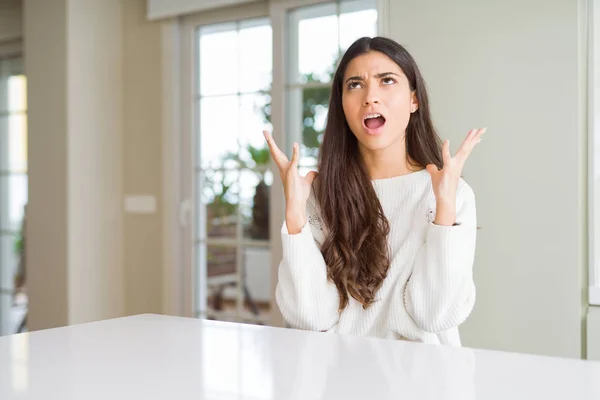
429,289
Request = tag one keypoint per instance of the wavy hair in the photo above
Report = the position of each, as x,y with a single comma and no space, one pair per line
355,247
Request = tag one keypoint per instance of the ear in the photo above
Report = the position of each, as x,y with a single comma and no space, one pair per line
414,102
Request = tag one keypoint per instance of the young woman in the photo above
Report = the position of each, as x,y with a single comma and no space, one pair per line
381,241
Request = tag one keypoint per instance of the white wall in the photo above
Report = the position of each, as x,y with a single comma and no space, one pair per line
74,70
95,117
94,73
516,67
46,70
142,161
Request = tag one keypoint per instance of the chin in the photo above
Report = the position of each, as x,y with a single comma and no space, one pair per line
377,142
374,143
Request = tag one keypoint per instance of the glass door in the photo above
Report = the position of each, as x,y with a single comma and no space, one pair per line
232,179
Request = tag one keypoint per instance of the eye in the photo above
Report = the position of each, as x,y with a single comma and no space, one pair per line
353,85
388,80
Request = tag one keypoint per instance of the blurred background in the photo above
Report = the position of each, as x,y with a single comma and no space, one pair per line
134,177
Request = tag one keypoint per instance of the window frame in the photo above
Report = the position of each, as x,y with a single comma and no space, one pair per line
593,157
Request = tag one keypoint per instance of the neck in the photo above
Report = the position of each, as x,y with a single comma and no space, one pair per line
387,162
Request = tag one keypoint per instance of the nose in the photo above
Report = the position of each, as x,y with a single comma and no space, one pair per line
371,96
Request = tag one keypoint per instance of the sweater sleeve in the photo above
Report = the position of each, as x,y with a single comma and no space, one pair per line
440,293
306,298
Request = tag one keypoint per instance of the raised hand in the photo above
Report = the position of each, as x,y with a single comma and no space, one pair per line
295,187
445,181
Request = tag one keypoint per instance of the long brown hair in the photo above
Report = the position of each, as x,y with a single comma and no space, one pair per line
355,248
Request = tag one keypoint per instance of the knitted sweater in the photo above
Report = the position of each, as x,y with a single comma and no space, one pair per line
429,289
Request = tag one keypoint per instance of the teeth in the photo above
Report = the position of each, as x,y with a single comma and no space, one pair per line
369,116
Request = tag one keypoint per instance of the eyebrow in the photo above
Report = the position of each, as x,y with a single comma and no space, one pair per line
381,75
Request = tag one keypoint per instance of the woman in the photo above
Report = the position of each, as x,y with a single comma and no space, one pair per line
381,241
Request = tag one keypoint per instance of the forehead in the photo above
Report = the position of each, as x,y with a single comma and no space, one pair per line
370,64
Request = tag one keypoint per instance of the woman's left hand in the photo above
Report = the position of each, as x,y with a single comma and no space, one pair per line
445,181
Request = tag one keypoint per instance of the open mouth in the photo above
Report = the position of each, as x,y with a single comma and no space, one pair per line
374,121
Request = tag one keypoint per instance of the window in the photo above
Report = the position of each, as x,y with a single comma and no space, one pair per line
13,193
317,36
238,88
232,177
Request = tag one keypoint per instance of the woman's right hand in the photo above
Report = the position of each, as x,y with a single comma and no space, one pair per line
296,187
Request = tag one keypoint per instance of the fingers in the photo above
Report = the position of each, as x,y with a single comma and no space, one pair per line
277,154
446,156
466,144
470,135
295,156
478,135
473,137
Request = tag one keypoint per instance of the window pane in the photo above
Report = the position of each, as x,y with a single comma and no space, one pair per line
357,19
13,143
17,93
222,285
9,259
219,59
255,186
308,113
13,92
256,59
13,197
6,317
314,116
217,209
13,310
219,130
220,264
314,36
255,116
257,278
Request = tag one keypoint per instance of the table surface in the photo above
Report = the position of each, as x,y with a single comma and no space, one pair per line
159,357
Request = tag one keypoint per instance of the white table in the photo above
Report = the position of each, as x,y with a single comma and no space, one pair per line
152,357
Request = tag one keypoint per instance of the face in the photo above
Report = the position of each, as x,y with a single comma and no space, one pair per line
377,101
